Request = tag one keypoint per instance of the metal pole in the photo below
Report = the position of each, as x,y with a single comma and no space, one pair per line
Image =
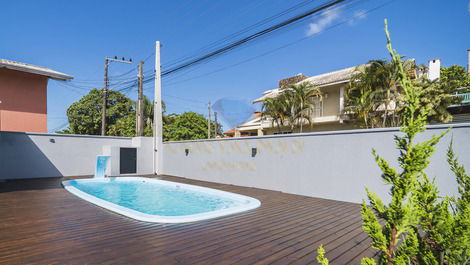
215,124
157,117
468,59
105,89
105,97
209,121
140,97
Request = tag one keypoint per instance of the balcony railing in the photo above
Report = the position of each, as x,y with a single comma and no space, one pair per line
465,99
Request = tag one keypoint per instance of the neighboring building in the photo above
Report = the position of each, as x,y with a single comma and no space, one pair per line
248,128
325,116
461,112
328,112
23,96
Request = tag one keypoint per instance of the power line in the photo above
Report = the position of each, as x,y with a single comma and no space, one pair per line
184,99
243,41
240,32
279,48
252,37
59,127
129,84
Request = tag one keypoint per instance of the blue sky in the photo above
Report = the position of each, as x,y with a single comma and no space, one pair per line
74,37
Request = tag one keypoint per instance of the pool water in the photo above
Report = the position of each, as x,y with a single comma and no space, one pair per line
152,198
155,200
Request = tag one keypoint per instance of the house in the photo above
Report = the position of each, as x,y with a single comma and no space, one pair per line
461,112
249,128
328,112
23,96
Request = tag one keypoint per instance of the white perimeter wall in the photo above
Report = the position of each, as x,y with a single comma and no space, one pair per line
31,155
335,165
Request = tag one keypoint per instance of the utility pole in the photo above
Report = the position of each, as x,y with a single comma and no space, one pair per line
215,124
107,60
105,97
209,121
140,98
157,116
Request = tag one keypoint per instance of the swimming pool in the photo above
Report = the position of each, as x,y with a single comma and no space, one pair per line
159,201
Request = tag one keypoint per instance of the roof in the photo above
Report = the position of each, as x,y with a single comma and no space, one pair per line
229,132
325,79
33,69
253,124
342,75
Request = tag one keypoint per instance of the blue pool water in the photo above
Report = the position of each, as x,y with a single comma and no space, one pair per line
154,198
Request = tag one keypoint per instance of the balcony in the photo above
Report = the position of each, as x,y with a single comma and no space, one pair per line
465,98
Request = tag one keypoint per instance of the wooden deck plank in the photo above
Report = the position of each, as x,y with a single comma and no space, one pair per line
42,223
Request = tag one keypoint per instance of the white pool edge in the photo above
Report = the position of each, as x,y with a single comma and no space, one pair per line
252,202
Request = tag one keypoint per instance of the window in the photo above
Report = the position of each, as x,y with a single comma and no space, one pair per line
317,110
283,132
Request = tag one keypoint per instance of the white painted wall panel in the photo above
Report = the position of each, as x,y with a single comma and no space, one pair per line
335,165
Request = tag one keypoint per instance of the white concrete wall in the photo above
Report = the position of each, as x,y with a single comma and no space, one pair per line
335,165
32,155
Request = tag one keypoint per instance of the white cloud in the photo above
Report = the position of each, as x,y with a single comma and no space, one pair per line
325,19
358,15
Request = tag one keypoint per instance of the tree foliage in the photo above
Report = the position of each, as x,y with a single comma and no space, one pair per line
126,126
374,94
417,226
84,116
376,99
435,98
292,107
455,77
187,126
321,256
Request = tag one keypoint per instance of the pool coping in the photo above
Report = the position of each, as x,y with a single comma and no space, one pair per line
252,202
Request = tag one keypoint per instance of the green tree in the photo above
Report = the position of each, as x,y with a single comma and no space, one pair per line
435,99
398,217
416,226
274,109
84,116
187,126
374,93
444,222
301,103
126,126
293,106
455,77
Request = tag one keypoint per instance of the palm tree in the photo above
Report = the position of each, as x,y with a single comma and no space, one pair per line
375,88
148,111
274,108
293,105
361,107
303,106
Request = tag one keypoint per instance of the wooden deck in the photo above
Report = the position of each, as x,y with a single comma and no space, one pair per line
41,223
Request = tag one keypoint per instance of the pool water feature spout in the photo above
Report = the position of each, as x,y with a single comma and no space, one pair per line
101,163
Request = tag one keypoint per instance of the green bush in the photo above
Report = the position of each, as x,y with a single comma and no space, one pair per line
417,226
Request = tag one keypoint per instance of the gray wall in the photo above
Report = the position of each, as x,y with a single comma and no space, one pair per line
32,155
335,165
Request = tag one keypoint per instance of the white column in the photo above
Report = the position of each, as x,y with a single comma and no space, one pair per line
157,116
341,103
